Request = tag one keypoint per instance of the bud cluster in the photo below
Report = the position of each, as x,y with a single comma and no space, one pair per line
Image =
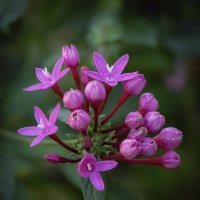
96,139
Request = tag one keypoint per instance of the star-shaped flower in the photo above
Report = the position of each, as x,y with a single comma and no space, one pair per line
89,167
48,80
44,128
110,75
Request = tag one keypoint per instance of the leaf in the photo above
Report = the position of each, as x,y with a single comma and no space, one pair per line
89,192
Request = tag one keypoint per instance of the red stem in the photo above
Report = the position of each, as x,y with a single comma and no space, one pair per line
122,99
122,125
108,91
87,104
120,133
57,90
114,144
59,141
96,116
76,77
67,160
151,161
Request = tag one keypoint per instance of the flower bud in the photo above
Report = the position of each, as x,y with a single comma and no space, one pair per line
147,103
71,56
149,147
154,121
134,120
84,77
170,160
95,91
138,134
130,148
73,99
79,120
135,85
53,158
169,138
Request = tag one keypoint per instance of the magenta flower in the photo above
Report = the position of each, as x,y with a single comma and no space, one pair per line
90,167
110,75
44,128
46,79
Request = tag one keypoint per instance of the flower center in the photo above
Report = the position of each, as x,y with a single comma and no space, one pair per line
46,73
90,167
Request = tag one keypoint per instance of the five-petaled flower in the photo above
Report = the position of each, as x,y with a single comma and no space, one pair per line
110,75
90,167
48,80
44,128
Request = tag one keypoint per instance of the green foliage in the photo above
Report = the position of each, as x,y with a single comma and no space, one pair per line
89,192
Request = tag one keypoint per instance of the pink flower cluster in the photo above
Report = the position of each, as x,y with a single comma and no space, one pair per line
102,145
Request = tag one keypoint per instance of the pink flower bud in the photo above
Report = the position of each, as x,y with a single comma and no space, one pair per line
149,147
154,121
95,92
169,138
170,160
135,85
85,78
147,103
79,120
130,148
134,120
71,56
53,158
138,134
73,99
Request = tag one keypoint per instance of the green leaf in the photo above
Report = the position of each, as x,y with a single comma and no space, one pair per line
89,192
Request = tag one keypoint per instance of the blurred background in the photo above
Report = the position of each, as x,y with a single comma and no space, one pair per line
162,39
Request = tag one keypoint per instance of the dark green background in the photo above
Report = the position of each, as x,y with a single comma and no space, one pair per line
162,39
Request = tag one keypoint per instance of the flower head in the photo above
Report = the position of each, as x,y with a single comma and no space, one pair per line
46,79
147,103
79,120
44,128
134,120
169,138
90,167
130,148
71,56
110,75
95,92
73,99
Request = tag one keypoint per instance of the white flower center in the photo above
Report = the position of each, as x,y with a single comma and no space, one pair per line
41,124
89,167
46,73
109,68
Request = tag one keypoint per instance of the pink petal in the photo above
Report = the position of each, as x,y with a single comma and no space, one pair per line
57,67
105,165
119,65
39,86
112,83
52,130
95,75
127,76
75,53
100,63
63,73
37,140
54,114
39,115
30,131
97,181
40,75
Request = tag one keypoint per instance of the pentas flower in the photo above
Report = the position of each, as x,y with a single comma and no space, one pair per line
110,75
98,145
44,127
48,80
90,167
